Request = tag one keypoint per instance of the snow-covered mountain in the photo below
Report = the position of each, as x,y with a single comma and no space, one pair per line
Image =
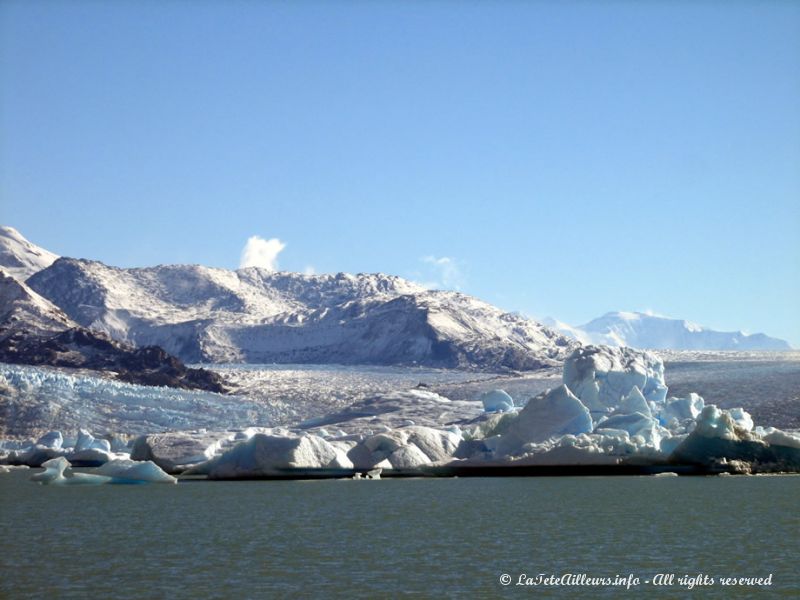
641,330
19,257
33,331
255,315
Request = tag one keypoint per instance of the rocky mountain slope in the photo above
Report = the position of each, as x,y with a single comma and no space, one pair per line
254,315
35,332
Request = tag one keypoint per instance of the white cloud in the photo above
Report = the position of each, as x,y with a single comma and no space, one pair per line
258,252
443,272
309,270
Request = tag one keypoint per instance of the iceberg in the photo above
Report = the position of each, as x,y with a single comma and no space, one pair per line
126,470
54,474
266,455
555,413
724,436
601,376
178,451
406,448
58,472
497,401
52,439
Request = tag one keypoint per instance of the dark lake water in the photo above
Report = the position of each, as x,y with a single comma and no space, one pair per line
427,537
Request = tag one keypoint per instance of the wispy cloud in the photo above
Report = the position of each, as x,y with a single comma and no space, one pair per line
309,270
258,252
442,272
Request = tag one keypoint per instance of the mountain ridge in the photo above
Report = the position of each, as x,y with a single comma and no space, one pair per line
656,332
254,315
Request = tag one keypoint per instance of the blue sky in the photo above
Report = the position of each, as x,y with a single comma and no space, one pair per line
556,158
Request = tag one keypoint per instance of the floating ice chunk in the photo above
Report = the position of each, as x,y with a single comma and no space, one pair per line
555,413
53,470
51,439
54,474
9,468
126,470
497,401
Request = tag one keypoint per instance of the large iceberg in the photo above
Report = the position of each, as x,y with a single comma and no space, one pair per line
266,455
601,376
613,406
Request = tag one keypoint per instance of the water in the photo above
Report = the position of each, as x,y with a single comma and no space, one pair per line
431,537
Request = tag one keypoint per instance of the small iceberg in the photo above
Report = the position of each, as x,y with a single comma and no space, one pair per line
58,471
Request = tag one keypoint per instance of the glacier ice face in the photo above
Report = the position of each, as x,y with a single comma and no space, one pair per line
722,437
177,451
634,402
274,455
601,376
555,413
633,423
406,448
724,424
51,399
676,410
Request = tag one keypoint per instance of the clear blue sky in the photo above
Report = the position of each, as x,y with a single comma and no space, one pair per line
569,158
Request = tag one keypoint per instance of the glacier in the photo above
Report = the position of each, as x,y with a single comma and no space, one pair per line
34,399
612,409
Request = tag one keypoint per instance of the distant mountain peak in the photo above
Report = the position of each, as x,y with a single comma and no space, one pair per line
657,332
20,258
